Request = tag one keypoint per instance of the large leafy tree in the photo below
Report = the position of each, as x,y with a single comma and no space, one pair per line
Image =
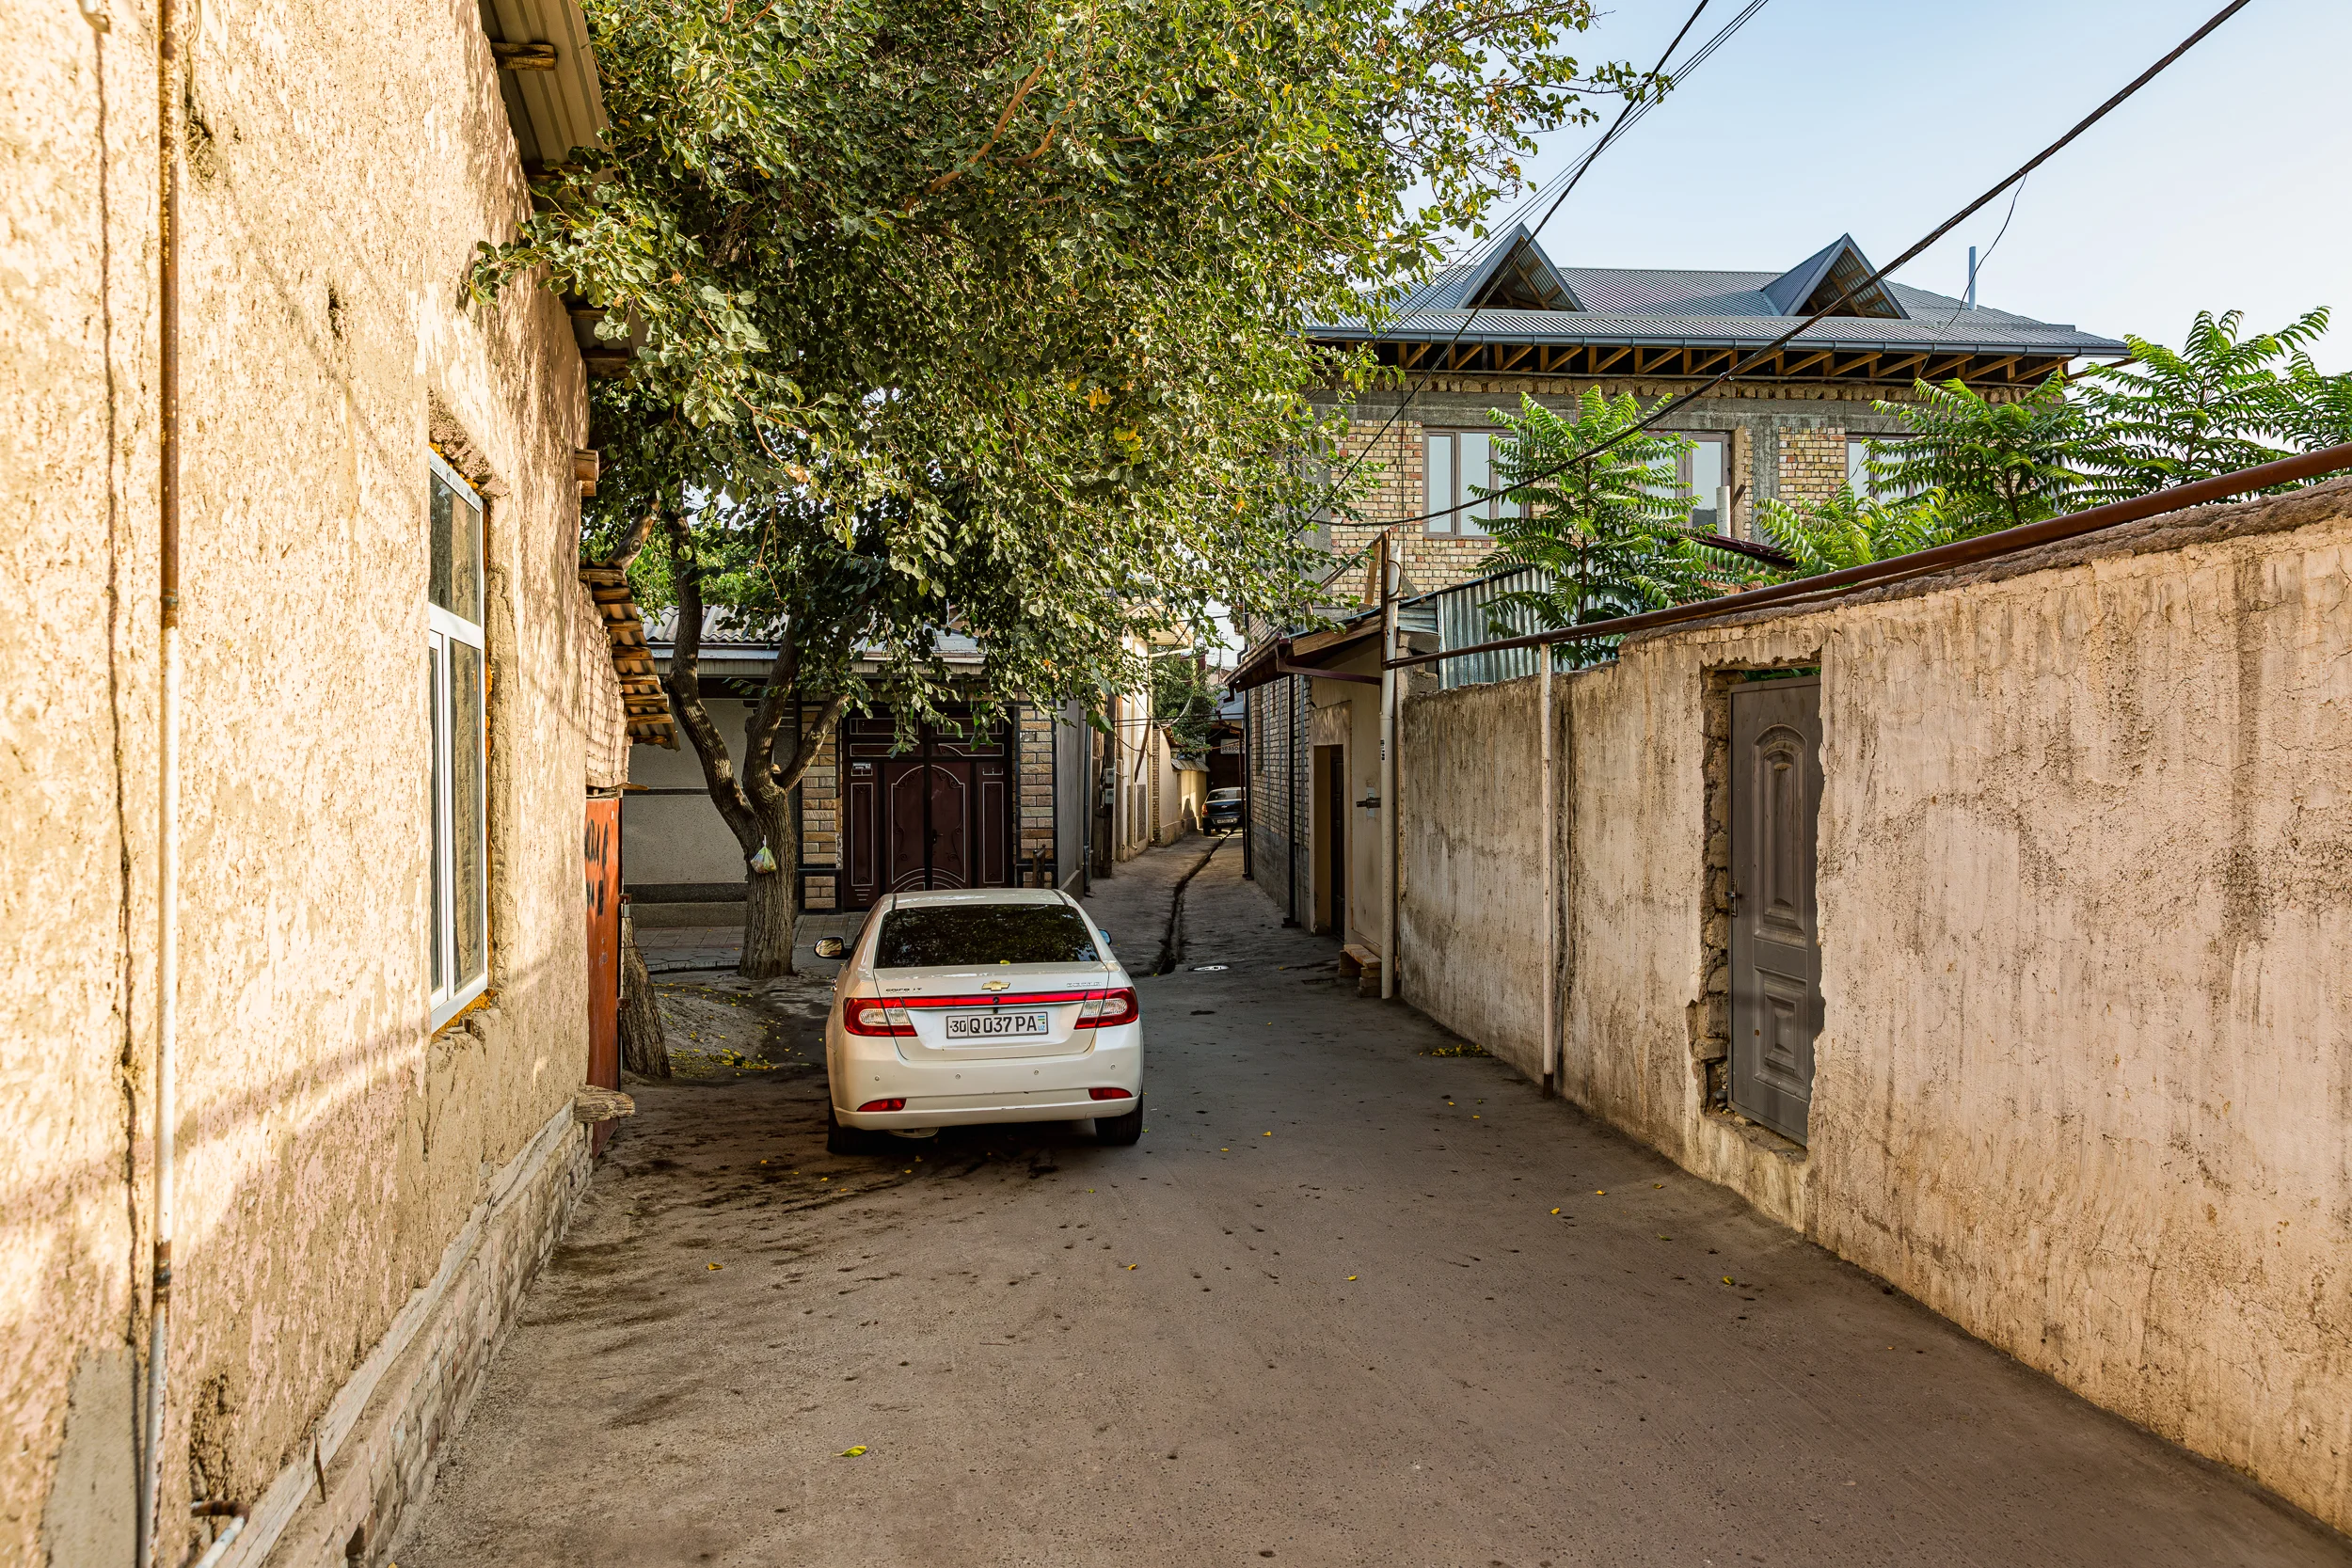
1609,531
986,316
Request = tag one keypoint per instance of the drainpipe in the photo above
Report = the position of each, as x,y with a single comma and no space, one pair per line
169,103
1388,683
1291,791
1248,785
1551,877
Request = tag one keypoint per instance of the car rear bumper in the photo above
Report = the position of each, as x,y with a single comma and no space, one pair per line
953,1090
966,1110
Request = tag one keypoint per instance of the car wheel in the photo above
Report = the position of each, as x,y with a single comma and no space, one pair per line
1118,1131
845,1140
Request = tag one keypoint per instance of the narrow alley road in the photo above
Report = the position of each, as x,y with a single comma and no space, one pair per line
1325,1313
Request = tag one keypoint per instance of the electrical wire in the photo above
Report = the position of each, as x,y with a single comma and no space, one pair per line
1626,119
1846,294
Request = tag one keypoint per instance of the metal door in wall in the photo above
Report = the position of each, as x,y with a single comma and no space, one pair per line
1775,947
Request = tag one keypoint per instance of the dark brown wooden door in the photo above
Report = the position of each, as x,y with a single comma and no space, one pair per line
936,815
1775,945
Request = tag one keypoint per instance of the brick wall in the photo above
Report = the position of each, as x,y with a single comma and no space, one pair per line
821,822
1812,464
1428,560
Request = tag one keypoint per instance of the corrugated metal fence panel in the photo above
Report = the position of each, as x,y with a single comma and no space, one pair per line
1472,613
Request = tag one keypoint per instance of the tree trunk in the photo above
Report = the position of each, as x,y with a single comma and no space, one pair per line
757,805
772,904
645,1049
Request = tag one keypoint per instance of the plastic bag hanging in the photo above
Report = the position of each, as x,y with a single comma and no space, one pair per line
765,861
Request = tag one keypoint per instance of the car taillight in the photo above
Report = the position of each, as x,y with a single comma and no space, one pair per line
1104,1009
1109,1094
892,1105
872,1014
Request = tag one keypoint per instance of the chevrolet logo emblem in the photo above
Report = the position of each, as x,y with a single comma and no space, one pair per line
995,985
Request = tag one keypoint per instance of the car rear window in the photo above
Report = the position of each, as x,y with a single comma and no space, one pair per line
1225,794
932,935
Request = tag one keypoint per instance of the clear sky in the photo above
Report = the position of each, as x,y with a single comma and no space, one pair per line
2225,183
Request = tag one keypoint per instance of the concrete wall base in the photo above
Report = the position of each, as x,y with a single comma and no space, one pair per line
343,1499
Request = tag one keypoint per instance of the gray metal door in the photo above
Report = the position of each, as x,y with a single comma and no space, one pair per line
1775,947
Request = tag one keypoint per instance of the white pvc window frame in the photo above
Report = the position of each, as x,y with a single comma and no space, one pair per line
1456,463
454,982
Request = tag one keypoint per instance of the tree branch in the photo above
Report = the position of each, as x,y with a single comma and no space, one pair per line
684,685
1002,120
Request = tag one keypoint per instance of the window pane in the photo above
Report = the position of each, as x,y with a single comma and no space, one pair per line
1440,486
437,776
1477,473
1707,478
457,580
469,825
933,935
1858,466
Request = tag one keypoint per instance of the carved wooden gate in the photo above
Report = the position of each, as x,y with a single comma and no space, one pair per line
936,815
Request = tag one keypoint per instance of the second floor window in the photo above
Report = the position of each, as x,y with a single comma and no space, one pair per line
1858,466
1458,464
459,919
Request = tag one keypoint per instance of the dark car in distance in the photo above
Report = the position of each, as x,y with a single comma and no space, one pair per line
1222,812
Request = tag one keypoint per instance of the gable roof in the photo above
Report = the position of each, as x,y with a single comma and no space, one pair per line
1681,320
1509,273
1813,284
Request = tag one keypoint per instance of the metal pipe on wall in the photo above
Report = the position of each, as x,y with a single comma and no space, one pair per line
1290,792
1249,788
1392,810
170,99
1551,873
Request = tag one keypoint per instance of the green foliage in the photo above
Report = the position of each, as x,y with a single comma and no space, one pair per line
1183,700
1849,529
1994,465
1611,538
990,315
2220,403
2318,411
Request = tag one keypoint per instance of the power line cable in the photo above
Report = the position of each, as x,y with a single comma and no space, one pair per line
1626,119
1846,293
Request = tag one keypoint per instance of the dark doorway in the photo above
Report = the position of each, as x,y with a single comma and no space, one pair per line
1330,839
1775,947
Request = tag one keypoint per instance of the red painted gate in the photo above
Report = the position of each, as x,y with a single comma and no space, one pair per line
600,846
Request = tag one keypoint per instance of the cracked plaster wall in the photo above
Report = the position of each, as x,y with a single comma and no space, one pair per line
2085,1080
345,160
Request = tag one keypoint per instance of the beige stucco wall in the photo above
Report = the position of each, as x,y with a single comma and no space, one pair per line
2085,1079
345,161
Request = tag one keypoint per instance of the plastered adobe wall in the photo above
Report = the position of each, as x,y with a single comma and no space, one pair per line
2085,1079
344,161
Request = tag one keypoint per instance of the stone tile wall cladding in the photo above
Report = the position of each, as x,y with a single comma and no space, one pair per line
332,1147
2085,884
1038,783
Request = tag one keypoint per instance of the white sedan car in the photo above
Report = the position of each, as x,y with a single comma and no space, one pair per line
981,1005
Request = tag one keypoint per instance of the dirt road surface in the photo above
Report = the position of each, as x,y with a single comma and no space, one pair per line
1325,1313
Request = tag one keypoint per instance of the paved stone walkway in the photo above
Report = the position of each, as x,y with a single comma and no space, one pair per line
1325,1313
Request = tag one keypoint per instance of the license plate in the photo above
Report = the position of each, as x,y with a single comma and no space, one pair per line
994,1026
